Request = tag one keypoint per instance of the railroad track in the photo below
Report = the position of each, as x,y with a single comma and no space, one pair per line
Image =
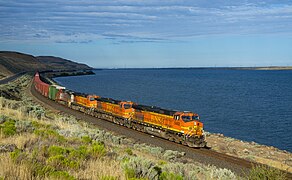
205,156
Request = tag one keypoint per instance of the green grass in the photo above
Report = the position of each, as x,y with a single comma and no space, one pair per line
15,154
97,150
129,151
8,128
62,162
265,172
86,139
170,176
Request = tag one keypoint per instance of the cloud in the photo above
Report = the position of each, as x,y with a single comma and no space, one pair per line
138,20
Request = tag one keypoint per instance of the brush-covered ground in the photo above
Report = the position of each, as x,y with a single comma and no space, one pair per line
36,143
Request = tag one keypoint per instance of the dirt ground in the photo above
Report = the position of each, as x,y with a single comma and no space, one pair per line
252,151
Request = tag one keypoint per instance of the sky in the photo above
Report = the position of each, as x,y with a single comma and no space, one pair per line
151,33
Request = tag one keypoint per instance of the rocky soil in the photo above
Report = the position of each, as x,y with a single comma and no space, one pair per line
252,151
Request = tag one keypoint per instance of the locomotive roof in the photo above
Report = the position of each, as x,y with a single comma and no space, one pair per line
80,94
109,100
154,109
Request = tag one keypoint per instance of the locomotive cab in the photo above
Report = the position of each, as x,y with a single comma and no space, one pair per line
91,100
88,101
190,122
126,108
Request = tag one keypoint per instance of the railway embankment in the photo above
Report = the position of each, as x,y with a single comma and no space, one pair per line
26,127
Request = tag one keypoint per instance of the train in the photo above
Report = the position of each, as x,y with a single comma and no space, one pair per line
182,127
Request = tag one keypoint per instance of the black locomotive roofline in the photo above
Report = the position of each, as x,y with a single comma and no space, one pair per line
154,109
109,100
140,107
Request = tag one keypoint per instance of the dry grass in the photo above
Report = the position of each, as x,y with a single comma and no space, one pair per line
19,140
275,164
251,151
12,113
96,169
12,171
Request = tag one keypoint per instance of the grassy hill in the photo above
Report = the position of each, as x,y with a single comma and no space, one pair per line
15,62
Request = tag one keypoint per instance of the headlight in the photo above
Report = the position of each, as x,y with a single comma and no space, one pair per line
195,123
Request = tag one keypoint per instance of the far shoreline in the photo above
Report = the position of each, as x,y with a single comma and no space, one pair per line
262,68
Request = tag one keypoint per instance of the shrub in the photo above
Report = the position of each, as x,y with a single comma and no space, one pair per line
61,162
156,151
265,172
50,134
37,125
137,167
40,170
8,128
61,175
162,162
172,155
56,150
97,150
170,176
86,139
218,173
3,118
130,173
79,153
15,154
129,151
24,126
35,111
177,168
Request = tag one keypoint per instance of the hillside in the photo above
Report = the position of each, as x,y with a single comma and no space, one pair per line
52,62
15,62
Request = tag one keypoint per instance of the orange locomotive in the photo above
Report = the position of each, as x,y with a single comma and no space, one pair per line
121,109
93,104
181,127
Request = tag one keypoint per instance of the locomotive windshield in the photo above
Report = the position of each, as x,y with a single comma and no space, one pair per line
91,98
189,118
196,118
186,118
127,106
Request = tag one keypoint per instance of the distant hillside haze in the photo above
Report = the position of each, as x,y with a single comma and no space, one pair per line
52,62
15,62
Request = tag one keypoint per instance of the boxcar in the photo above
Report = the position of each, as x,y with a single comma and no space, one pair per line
54,90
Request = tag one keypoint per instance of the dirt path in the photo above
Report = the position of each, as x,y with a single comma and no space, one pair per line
11,78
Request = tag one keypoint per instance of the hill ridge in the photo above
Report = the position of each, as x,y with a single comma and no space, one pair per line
12,62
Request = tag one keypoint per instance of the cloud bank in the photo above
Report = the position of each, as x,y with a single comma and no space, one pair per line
130,21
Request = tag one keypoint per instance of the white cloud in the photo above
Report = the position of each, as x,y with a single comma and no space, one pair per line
166,19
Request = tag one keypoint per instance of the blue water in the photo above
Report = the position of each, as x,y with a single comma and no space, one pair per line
244,104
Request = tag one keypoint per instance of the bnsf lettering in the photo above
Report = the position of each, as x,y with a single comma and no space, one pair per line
110,108
176,123
157,119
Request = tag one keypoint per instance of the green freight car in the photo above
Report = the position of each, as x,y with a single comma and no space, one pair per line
53,91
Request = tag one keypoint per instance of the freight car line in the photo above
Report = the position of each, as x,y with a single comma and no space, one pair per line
200,155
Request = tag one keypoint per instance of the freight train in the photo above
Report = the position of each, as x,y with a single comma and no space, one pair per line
181,127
